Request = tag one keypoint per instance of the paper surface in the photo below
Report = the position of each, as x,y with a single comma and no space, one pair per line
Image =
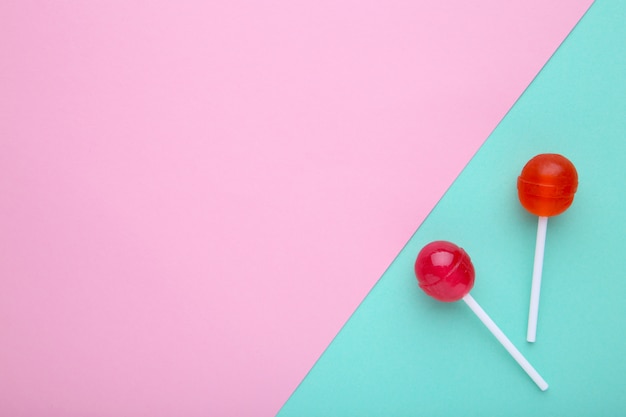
195,196
403,353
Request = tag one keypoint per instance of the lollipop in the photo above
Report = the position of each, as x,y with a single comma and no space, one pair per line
546,188
445,272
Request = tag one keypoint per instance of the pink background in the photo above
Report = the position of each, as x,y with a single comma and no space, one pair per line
194,196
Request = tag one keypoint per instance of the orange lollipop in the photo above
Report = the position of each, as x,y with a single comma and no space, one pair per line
547,185
545,188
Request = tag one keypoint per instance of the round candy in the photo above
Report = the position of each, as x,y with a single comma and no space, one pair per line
444,271
547,184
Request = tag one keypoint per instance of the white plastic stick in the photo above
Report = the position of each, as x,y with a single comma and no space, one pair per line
535,289
495,330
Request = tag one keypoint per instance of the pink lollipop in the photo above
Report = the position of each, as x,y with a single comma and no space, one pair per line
445,272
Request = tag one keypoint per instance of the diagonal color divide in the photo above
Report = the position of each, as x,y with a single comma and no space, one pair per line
403,354
195,196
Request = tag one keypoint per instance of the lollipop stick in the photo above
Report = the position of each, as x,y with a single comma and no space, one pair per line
535,289
495,330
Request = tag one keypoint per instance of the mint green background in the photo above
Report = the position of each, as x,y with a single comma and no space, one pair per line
404,354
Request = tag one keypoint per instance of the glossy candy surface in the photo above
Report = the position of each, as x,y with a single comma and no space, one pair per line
444,271
547,185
